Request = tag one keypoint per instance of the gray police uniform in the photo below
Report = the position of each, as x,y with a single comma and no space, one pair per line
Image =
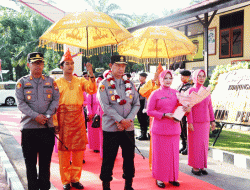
183,88
112,137
37,96
113,111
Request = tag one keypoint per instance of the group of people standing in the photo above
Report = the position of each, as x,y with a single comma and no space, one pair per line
49,107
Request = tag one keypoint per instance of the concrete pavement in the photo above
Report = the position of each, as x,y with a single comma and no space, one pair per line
222,174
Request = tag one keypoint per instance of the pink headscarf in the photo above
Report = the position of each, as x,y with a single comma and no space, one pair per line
163,74
196,73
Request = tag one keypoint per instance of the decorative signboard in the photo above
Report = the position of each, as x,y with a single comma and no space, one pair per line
231,97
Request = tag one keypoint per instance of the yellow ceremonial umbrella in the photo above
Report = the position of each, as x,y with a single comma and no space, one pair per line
156,42
86,30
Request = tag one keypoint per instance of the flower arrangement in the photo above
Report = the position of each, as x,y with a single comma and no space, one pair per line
128,89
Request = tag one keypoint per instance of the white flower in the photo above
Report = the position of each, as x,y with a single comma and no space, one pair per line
109,76
112,82
118,100
128,85
115,92
125,77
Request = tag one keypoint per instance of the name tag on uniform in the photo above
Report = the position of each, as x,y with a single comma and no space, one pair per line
110,87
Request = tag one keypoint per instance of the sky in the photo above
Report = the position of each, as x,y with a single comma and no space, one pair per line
139,7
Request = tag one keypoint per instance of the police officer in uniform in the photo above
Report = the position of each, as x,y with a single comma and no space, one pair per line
37,97
143,118
185,75
120,103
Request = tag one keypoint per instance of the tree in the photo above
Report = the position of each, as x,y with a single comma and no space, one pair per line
20,32
105,7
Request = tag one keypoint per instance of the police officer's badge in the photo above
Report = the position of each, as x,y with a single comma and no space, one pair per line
113,98
29,92
18,85
130,96
29,97
28,84
102,88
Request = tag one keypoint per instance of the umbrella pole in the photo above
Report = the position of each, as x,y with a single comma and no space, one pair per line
112,53
168,62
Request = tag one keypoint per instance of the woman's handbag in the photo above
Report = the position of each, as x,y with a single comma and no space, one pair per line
96,121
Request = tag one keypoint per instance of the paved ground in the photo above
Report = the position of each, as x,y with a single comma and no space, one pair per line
221,174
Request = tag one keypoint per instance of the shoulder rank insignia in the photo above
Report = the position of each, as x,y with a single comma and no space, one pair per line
102,88
18,85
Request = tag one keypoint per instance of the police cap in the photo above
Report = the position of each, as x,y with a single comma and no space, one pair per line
34,56
143,74
185,73
118,59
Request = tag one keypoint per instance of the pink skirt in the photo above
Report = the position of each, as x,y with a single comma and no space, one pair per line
198,145
165,165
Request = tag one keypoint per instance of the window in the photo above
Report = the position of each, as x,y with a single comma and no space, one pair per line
231,35
194,29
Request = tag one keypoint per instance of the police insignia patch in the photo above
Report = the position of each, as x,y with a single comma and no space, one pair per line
18,85
102,88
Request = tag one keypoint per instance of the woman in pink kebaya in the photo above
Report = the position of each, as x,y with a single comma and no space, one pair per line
165,132
199,120
100,112
92,109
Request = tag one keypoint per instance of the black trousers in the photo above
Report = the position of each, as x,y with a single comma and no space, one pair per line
184,131
143,118
38,143
111,143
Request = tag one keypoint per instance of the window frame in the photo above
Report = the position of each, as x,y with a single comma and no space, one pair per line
230,55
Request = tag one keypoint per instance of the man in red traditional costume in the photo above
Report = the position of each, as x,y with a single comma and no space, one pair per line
70,119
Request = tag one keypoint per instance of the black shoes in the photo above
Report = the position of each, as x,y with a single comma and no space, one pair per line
196,172
77,185
96,151
66,187
175,183
83,161
183,148
204,172
142,138
184,152
160,184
